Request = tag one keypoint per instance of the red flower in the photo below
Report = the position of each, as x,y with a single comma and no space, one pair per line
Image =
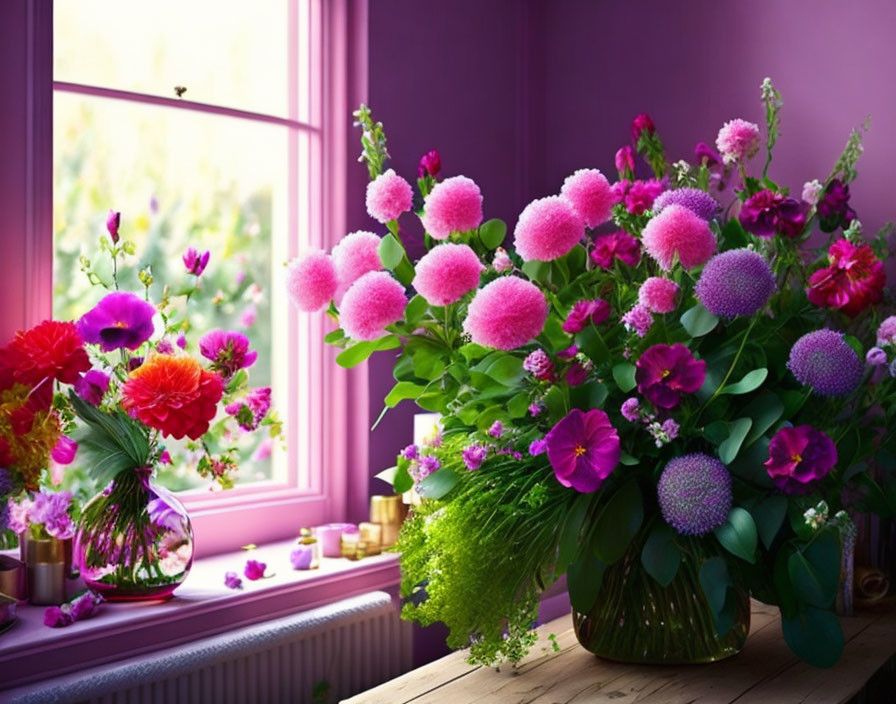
854,280
174,395
50,350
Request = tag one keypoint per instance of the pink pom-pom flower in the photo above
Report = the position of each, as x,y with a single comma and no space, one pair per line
388,196
446,273
357,253
373,302
590,193
658,294
311,281
678,232
738,140
454,205
547,229
506,313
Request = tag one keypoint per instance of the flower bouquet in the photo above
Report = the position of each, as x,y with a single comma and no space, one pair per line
673,390
131,389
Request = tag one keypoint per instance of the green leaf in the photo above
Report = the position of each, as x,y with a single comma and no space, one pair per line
628,460
733,235
334,336
357,353
437,484
240,379
572,529
815,636
737,431
715,580
518,406
503,368
618,523
471,352
537,271
401,391
717,432
751,381
492,233
583,580
415,309
738,534
660,555
698,321
588,396
402,481
856,344
765,410
391,251
624,376
769,517
592,344
815,572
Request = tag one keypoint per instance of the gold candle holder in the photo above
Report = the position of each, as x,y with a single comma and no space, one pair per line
349,545
372,535
388,511
45,562
13,578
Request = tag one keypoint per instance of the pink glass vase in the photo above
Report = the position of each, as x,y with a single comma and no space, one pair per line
134,540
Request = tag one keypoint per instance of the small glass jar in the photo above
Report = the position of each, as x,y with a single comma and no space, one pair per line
372,534
350,545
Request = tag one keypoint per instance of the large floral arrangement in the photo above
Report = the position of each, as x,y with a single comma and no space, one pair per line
689,371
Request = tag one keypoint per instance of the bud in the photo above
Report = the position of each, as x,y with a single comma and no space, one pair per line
642,123
430,163
129,247
704,154
113,221
145,276
195,262
625,160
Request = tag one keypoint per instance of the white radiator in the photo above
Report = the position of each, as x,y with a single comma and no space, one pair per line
322,655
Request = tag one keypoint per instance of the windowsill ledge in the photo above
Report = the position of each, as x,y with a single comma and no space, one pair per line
203,606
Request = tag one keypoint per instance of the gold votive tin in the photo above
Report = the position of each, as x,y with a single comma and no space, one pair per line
45,562
386,509
372,534
13,578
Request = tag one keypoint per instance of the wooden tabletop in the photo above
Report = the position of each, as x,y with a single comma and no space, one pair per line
764,672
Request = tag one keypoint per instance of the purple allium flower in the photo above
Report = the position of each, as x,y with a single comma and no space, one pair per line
428,465
195,262
430,163
584,312
833,208
301,556
57,617
474,456
92,386
502,262
120,319
736,282
767,213
664,372
254,570
824,361
694,494
578,372
696,200
497,429
876,357
539,365
228,351
670,428
798,457
583,448
232,580
538,447
113,221
886,333
411,452
64,451
638,319
625,161
535,409
642,123
251,409
705,154
631,410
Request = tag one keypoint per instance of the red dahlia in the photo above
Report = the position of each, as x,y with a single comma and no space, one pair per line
50,350
854,281
174,395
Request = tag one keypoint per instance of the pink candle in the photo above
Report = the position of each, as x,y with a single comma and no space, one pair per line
329,537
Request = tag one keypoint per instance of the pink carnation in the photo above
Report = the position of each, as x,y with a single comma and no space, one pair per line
658,295
616,245
311,281
506,313
454,205
388,196
356,254
446,273
547,229
373,302
738,140
678,231
589,192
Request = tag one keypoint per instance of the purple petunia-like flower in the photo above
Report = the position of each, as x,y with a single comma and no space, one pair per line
767,213
824,361
232,580
538,447
876,357
585,312
92,386
694,493
665,372
583,448
120,319
228,351
474,455
696,200
195,262
798,457
736,282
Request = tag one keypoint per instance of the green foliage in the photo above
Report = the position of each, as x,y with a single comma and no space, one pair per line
738,534
660,555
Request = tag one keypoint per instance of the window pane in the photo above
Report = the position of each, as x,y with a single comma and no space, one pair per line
225,52
179,179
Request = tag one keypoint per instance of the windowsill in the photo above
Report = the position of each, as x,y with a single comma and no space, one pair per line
203,606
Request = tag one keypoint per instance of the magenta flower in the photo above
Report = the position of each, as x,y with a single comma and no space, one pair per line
195,262
254,570
430,163
616,245
474,455
798,457
497,429
64,451
584,312
538,447
232,580
50,509
113,221
228,351
56,617
631,409
85,606
833,208
767,213
539,365
410,452
625,161
642,123
583,448
250,410
119,320
164,515
738,140
638,319
664,372
578,373
705,154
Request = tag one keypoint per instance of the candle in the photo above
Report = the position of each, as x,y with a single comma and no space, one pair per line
301,557
350,544
372,534
329,537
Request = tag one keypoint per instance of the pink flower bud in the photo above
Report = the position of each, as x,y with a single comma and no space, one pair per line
625,160
195,262
430,163
642,123
113,221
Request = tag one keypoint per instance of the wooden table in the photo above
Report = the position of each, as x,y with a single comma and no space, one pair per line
765,672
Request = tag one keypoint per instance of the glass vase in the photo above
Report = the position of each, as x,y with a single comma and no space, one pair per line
134,540
637,620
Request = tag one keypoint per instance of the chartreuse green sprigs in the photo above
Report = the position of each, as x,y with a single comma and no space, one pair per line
482,553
